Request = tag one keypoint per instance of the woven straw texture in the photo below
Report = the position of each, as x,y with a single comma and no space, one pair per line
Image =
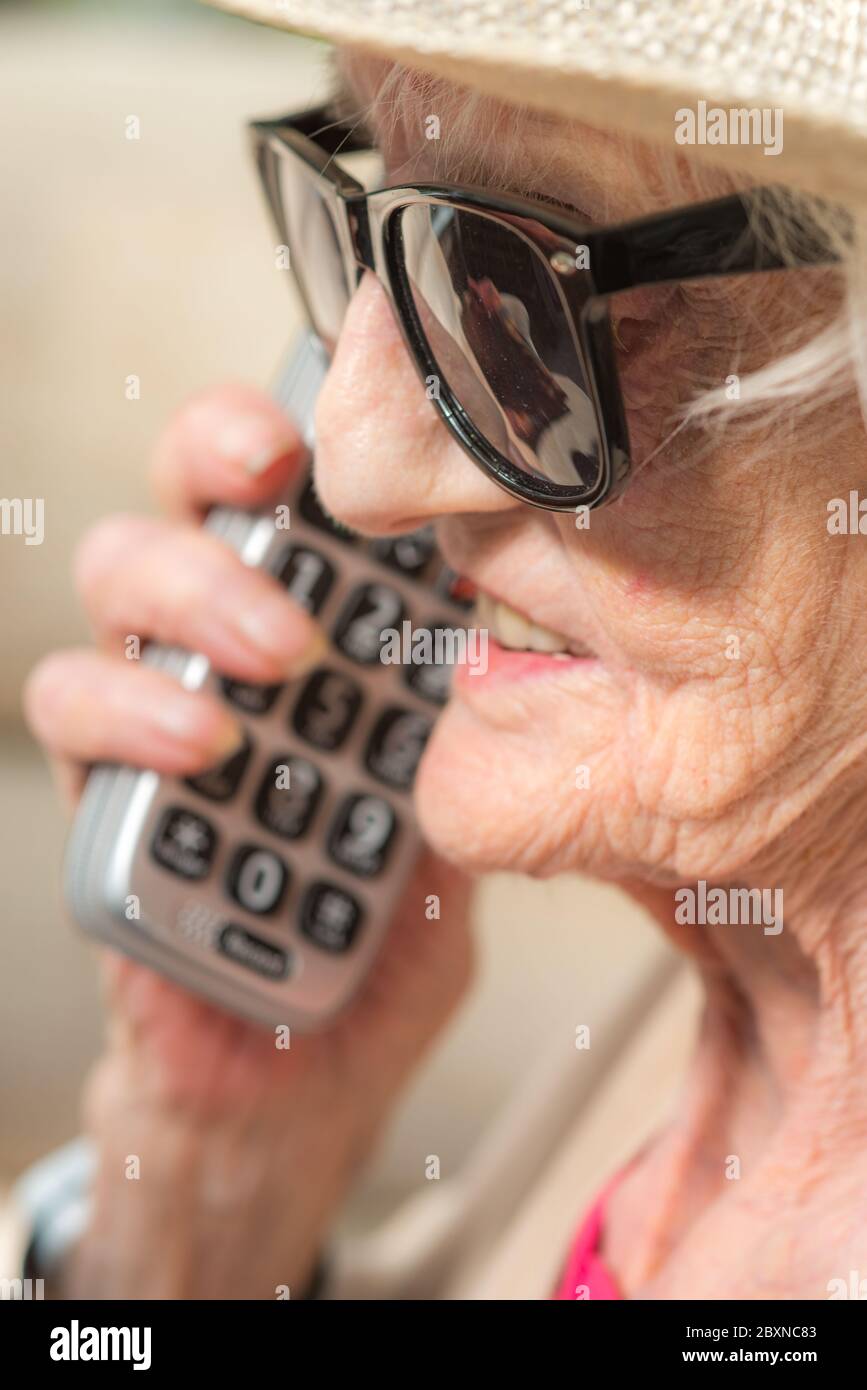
631,64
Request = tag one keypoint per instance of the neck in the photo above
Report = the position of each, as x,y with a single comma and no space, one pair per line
778,1082
801,990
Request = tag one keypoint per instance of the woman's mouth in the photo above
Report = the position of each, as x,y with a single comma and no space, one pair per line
516,632
516,647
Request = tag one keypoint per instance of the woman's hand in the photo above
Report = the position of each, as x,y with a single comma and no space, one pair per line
244,1149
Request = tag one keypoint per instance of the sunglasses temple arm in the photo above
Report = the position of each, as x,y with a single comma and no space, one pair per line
706,241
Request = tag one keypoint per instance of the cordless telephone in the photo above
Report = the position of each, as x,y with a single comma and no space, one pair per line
267,884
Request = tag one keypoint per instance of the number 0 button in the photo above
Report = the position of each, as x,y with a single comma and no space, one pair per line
361,834
257,879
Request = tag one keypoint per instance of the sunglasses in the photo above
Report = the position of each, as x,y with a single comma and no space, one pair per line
503,302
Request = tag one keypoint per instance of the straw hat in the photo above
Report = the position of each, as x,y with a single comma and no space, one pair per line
638,65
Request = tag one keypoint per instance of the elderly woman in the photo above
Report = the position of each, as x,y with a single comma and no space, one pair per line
652,376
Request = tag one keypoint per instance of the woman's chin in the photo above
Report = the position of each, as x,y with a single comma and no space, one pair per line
520,799
489,803
452,778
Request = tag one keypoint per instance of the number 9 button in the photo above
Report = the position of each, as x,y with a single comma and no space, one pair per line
361,834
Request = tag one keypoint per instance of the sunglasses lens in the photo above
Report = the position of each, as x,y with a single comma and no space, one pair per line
314,249
489,306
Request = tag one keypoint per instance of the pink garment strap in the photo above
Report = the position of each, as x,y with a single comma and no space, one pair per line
584,1274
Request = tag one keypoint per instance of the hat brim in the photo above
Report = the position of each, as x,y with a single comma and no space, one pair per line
584,66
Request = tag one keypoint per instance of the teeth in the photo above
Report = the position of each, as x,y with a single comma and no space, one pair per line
511,629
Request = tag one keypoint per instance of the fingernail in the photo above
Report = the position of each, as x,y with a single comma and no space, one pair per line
182,720
310,656
249,440
273,627
261,462
230,739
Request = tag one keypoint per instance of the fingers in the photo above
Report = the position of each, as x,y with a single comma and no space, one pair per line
179,585
88,707
229,445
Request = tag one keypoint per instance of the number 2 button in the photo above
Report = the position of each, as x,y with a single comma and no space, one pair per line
368,612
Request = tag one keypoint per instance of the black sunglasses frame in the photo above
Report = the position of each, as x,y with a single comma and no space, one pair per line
701,241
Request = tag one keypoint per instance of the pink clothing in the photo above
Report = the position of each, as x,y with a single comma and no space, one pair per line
584,1274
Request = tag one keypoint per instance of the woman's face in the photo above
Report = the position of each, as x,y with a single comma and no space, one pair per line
709,682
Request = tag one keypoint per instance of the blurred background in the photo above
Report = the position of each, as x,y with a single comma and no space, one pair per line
153,257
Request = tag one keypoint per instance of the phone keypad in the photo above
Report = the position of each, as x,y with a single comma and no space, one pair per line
409,554
327,709
184,843
431,680
254,952
330,917
257,879
367,613
313,512
305,819
306,575
395,746
361,834
454,587
250,699
220,783
288,796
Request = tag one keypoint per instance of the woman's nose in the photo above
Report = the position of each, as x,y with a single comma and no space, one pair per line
385,462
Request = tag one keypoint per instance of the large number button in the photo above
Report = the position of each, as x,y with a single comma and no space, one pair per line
252,699
361,834
396,745
330,917
431,679
257,879
288,796
306,574
221,782
313,511
369,610
184,843
245,948
327,708
408,554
